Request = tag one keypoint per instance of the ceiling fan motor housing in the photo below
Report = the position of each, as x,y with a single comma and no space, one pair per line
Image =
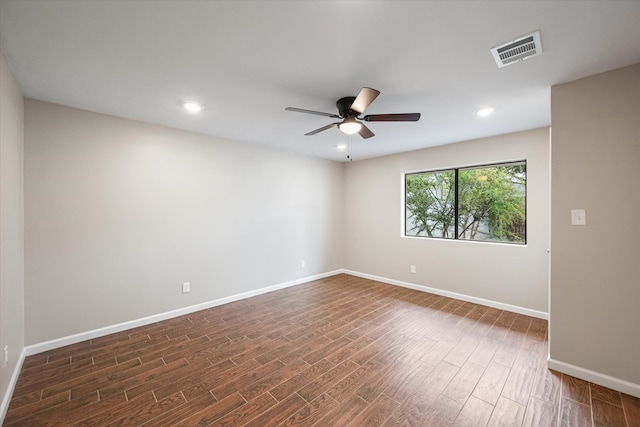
344,107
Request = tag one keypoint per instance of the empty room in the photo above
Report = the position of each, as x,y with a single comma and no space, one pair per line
319,213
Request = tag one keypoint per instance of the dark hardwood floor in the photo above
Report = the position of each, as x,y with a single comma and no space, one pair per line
335,352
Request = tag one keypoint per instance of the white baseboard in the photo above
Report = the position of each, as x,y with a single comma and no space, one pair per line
595,377
4,405
83,336
481,301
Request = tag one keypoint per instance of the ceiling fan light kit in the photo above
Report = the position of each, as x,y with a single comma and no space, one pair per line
349,110
350,126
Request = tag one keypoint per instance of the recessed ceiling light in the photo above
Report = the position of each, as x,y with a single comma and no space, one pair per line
484,111
341,147
192,107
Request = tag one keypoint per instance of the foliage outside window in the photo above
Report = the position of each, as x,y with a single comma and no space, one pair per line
485,203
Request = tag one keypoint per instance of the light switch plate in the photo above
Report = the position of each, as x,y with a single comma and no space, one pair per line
578,217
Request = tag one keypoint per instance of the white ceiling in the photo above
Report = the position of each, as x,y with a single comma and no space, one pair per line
245,61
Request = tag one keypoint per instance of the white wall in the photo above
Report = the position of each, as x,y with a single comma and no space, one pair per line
11,230
595,269
515,275
119,213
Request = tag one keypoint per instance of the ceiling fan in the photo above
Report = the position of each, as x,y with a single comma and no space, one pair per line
349,110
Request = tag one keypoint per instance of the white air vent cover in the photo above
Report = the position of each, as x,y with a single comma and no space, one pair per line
517,50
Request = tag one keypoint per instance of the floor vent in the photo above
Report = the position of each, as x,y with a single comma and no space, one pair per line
517,50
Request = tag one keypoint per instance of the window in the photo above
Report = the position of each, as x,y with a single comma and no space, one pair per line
485,203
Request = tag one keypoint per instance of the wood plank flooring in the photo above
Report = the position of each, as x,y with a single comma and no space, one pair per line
341,351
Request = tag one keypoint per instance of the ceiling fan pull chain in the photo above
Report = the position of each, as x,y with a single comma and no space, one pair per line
349,156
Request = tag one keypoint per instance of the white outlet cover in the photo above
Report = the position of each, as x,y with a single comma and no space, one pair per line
186,287
578,217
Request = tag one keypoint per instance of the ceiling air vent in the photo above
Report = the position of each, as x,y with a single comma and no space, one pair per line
517,50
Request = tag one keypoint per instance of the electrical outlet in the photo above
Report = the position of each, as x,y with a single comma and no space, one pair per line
6,355
578,217
413,269
303,264
186,287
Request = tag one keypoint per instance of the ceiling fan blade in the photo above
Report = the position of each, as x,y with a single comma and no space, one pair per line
364,99
318,113
408,117
365,132
322,129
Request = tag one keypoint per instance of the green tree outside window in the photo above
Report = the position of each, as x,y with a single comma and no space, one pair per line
491,203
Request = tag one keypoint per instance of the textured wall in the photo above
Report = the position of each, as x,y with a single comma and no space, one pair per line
595,269
509,274
11,227
119,213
